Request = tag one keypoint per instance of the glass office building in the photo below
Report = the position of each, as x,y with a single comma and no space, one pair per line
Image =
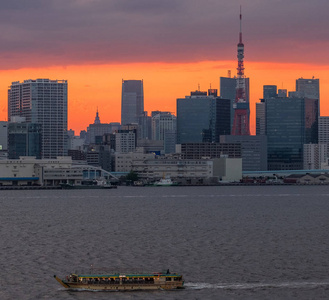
132,101
285,130
202,118
24,139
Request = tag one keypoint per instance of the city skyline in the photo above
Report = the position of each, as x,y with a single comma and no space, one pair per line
173,47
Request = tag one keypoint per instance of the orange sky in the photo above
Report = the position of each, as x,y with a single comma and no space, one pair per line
92,86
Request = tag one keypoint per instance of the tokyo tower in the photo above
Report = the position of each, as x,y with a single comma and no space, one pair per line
241,106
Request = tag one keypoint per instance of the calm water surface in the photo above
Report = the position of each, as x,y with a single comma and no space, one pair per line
228,242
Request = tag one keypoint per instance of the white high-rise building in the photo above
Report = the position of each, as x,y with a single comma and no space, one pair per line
314,155
323,127
164,128
162,122
42,101
323,131
125,141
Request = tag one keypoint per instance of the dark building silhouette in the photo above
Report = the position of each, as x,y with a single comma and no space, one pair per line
269,91
24,139
202,118
286,132
132,101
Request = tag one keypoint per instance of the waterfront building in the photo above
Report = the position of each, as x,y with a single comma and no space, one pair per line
189,171
124,161
314,155
44,102
253,150
132,101
210,150
28,171
3,136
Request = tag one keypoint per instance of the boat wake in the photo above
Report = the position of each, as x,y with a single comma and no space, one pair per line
261,285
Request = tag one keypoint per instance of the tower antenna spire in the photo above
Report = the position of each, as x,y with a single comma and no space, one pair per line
240,35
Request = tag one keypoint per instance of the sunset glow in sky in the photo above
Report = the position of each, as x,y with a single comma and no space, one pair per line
173,45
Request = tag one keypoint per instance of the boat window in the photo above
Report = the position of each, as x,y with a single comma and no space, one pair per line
168,278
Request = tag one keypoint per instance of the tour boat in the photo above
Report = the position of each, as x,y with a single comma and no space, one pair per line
165,182
123,281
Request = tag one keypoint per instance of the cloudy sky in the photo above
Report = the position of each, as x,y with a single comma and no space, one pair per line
63,38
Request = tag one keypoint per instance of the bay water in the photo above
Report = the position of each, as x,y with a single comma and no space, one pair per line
230,242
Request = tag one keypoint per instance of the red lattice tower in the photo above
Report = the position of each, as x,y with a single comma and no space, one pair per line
241,106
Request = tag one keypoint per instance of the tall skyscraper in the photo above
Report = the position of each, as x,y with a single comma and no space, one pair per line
44,102
202,118
132,101
285,130
311,120
310,87
260,118
228,91
194,115
269,91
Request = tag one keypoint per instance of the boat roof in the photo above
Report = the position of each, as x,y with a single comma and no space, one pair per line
128,275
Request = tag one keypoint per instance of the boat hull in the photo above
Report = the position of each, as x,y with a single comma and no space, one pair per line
123,287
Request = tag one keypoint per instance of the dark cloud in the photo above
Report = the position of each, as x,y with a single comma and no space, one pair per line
61,32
